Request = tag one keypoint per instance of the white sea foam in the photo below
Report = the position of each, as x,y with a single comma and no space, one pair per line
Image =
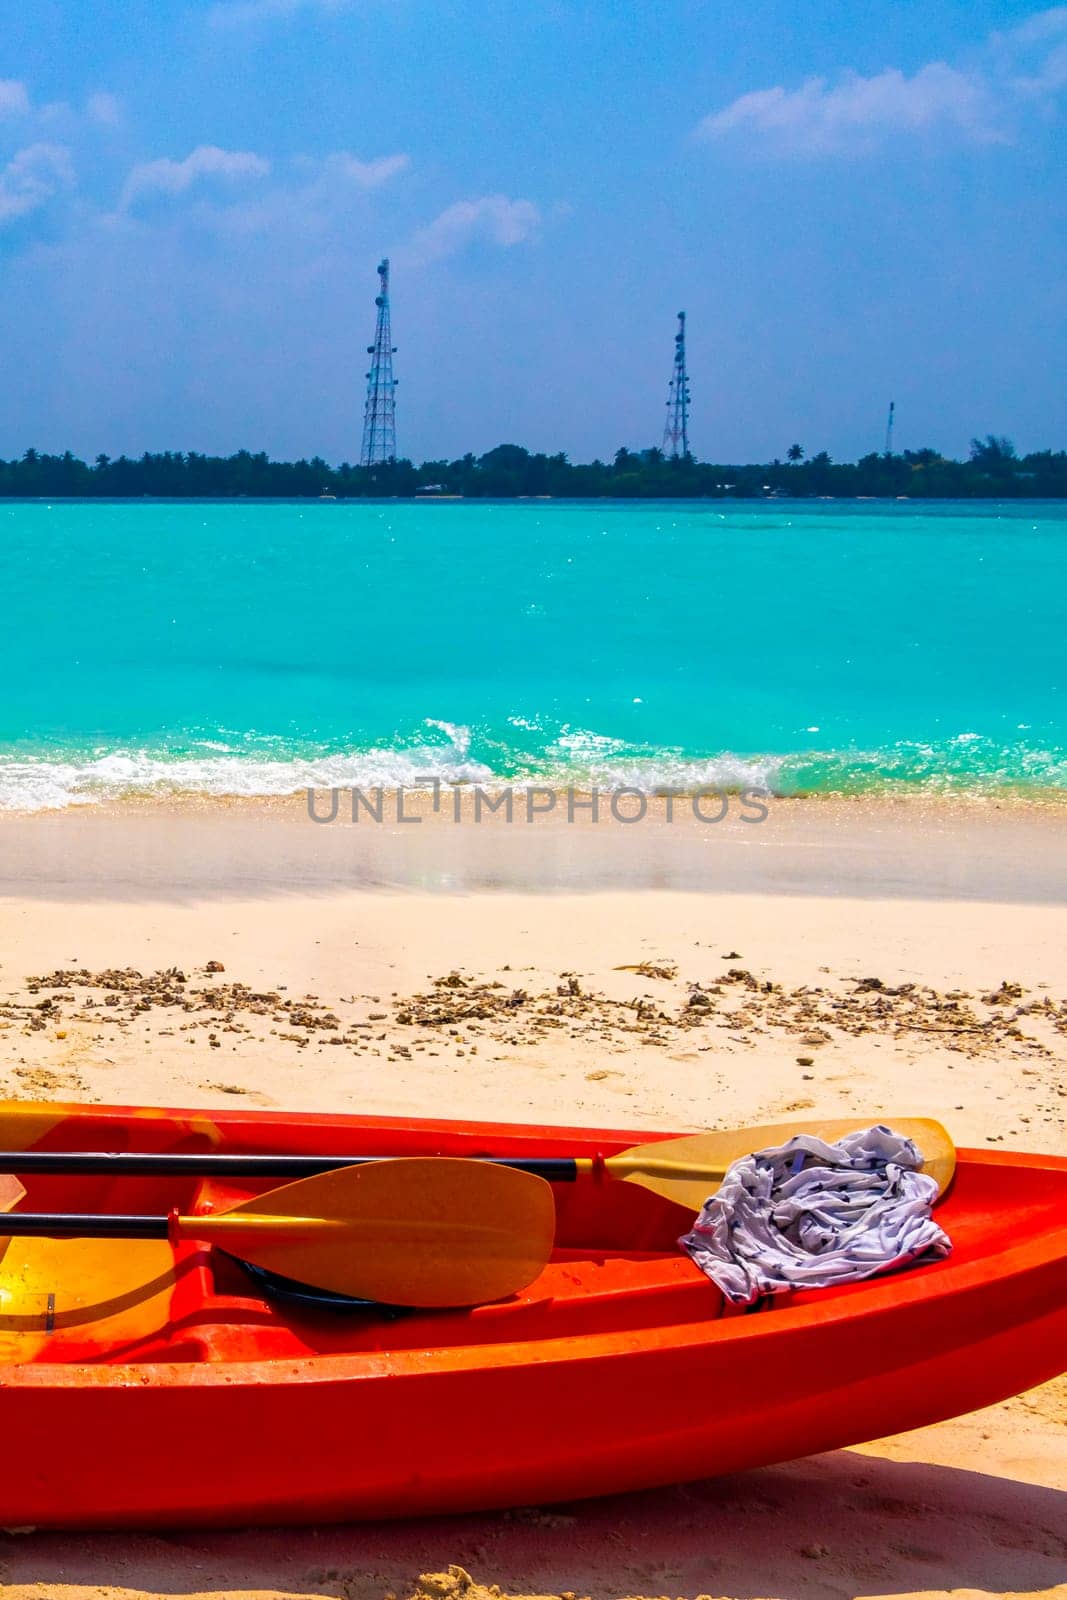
261,765
582,758
51,785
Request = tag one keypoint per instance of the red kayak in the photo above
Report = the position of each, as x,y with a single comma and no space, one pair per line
149,1382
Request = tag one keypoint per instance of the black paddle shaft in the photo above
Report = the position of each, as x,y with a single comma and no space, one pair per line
145,1164
74,1225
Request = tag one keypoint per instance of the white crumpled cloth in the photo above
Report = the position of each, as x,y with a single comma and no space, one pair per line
806,1215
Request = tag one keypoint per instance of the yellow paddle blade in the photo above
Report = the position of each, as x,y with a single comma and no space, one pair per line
11,1192
421,1231
688,1170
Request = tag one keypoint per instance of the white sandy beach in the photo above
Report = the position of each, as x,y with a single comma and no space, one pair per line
915,962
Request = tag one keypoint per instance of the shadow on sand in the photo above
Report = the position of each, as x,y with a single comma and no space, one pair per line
838,1525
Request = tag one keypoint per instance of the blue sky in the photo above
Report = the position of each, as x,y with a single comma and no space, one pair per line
852,203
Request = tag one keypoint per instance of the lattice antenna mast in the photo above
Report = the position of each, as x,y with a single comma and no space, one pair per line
889,428
379,416
676,432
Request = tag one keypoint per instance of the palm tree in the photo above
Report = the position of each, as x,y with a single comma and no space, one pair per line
795,454
992,450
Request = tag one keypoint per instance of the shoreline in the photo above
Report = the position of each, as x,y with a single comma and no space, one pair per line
420,800
617,800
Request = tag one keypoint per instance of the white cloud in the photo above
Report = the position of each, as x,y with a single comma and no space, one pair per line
493,217
14,98
819,117
1051,24
305,195
57,119
32,177
233,13
341,169
207,161
104,108
1041,43
979,102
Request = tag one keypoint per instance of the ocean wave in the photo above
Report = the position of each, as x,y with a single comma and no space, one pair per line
260,766
964,764
47,784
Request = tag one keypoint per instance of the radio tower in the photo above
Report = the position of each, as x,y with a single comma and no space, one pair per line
676,432
379,416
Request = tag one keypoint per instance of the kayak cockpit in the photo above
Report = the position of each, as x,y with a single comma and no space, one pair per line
616,1269
617,1266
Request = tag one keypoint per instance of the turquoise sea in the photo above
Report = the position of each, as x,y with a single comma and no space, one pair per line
242,647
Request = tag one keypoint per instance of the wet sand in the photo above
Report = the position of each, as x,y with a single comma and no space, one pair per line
1010,851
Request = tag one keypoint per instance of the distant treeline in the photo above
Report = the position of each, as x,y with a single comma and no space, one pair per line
993,471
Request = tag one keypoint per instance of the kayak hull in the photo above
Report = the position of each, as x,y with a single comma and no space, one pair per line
617,1372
